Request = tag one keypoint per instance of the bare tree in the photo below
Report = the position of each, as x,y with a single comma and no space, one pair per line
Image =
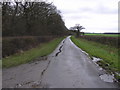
31,18
78,27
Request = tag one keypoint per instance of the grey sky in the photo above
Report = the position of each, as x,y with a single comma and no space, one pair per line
94,15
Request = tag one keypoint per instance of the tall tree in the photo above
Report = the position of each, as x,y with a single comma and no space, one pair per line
32,18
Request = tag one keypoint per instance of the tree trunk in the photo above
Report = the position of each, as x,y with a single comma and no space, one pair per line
78,33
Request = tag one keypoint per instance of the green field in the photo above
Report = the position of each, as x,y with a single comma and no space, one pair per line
107,35
27,56
107,53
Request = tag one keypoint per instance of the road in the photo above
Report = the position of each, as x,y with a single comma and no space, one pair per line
66,67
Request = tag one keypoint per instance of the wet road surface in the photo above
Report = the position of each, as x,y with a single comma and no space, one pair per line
66,67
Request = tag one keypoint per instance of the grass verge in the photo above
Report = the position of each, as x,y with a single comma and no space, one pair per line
27,56
107,53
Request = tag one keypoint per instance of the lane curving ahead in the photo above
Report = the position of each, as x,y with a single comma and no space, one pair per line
73,69
66,67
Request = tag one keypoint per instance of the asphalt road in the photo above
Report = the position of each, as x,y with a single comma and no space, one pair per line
66,67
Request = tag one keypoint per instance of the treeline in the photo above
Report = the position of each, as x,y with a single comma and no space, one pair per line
28,24
111,33
31,19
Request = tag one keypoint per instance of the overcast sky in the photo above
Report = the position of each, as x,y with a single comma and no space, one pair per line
95,15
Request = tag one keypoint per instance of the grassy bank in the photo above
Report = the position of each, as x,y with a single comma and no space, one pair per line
107,53
27,56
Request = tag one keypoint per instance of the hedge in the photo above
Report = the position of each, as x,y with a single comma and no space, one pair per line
112,41
12,45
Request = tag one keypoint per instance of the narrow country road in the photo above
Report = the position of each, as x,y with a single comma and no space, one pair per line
66,67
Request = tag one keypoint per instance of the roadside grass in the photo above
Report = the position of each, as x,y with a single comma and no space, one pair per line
0,64
107,35
107,53
27,56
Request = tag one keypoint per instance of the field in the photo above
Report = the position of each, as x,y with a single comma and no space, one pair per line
106,40
27,56
107,53
107,35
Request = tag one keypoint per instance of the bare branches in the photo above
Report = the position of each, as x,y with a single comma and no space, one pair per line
31,18
77,27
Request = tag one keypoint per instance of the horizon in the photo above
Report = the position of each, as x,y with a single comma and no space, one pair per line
96,16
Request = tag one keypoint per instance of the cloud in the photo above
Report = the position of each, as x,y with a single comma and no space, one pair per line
95,15
102,9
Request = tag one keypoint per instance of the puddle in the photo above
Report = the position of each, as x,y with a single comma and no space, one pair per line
100,68
117,73
84,52
107,78
96,59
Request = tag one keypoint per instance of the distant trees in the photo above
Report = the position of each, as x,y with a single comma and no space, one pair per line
77,27
31,18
